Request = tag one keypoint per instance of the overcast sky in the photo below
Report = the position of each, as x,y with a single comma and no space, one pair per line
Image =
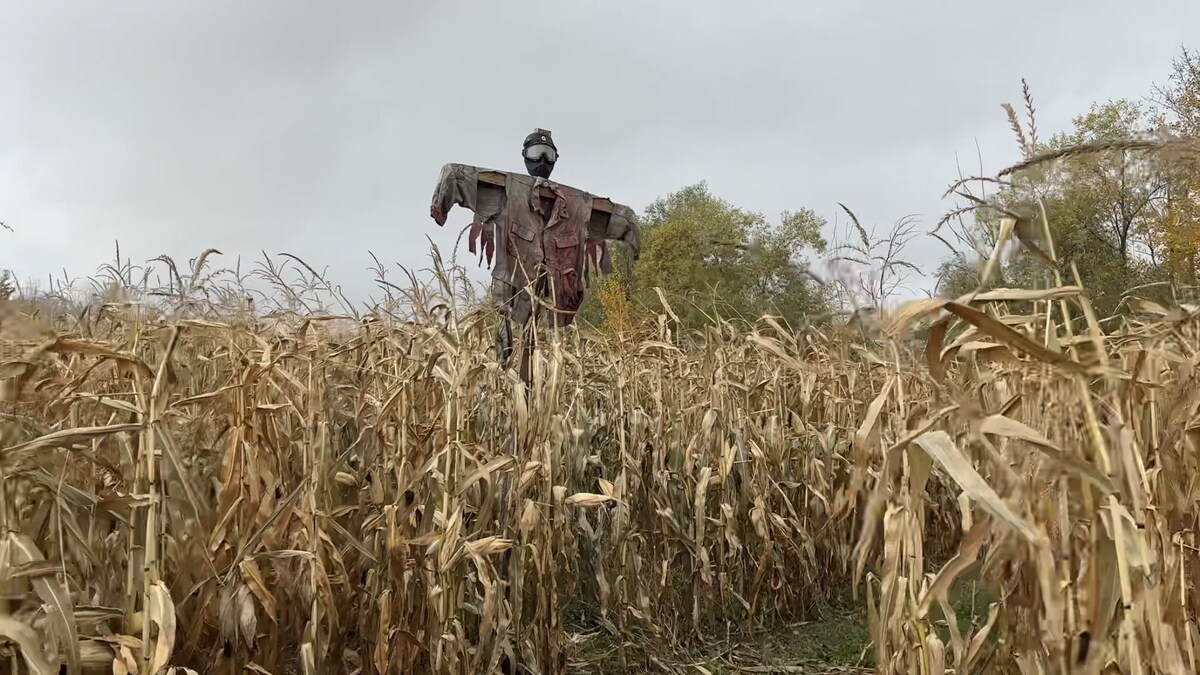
318,129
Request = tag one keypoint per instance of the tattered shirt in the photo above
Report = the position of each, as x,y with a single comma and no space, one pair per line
548,231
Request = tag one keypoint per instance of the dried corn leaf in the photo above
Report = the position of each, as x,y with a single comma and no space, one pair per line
161,611
947,455
31,650
54,594
1000,425
1012,338
68,437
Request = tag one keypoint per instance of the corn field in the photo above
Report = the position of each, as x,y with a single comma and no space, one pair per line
304,493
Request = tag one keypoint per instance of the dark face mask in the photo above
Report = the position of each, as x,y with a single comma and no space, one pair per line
540,156
539,167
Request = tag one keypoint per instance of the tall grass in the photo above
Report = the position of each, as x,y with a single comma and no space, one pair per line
188,484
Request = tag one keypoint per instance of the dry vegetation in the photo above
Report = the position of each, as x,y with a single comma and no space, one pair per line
293,492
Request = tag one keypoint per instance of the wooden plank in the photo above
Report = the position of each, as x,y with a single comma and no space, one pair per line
602,204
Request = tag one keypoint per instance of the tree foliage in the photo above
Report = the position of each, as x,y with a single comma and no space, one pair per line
1122,212
1178,108
714,260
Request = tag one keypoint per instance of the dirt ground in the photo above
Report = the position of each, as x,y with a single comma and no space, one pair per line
838,642
812,648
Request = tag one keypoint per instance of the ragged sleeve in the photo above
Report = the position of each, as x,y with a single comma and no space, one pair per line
623,226
620,225
457,185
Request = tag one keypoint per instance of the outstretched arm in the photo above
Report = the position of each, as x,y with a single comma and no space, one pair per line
476,190
457,185
618,224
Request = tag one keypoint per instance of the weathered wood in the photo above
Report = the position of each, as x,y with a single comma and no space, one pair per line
492,177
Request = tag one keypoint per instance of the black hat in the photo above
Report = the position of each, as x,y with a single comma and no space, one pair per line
539,136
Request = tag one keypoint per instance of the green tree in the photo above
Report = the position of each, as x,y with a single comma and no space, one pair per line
1178,102
1178,110
714,260
1113,194
1103,207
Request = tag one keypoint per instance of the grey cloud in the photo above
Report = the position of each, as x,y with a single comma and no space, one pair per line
319,130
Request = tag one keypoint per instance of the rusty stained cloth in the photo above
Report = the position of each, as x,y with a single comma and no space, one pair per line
529,239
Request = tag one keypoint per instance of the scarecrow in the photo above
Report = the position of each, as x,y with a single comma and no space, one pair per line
543,240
